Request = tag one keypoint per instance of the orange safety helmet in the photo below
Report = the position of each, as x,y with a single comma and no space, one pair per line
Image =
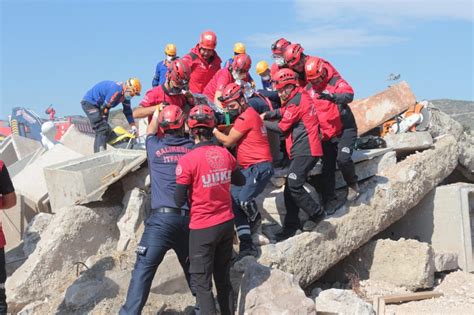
201,116
171,117
284,77
208,40
242,63
231,92
278,47
134,85
313,68
293,54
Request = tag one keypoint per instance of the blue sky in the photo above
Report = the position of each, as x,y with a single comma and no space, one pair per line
52,52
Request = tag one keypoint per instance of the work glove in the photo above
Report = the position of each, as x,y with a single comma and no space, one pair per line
326,95
134,130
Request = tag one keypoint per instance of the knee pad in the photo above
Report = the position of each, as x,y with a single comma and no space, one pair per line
103,127
344,155
250,209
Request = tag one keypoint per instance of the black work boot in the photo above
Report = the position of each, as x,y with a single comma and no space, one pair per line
332,205
314,220
285,233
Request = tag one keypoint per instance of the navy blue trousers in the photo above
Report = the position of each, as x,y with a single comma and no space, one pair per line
163,231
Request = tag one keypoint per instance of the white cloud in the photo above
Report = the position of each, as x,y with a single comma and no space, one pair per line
326,38
384,11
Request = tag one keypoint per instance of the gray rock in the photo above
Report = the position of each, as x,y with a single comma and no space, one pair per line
342,302
445,261
34,230
74,234
132,216
404,263
271,291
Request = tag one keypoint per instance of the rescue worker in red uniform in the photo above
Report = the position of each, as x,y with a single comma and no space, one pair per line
298,121
7,201
331,129
278,48
205,175
203,61
238,71
332,87
167,226
249,135
170,92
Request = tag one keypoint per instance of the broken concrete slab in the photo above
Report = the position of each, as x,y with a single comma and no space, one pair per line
466,155
170,277
271,291
19,165
15,221
375,110
74,234
7,151
24,146
408,142
444,219
80,142
86,179
386,198
445,261
369,168
404,263
132,215
342,302
31,182
34,230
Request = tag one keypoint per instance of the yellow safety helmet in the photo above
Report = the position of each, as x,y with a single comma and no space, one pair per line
261,67
170,50
239,48
134,85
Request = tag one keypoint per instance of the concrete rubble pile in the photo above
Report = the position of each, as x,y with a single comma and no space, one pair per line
80,216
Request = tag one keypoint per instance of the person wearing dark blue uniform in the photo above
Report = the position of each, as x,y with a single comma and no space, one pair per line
101,98
162,66
167,227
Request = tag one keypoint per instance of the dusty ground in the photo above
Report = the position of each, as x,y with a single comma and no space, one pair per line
458,290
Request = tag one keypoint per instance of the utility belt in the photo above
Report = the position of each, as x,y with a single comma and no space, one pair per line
181,212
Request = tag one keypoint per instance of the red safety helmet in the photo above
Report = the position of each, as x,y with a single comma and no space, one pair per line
242,63
201,116
293,54
179,72
208,40
278,47
171,117
283,77
313,68
231,92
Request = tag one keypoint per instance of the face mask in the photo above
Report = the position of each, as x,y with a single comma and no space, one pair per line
128,97
233,114
238,76
279,61
175,91
266,78
169,58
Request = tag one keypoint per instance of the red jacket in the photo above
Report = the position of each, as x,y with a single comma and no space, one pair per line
328,115
343,95
201,71
299,123
159,95
219,81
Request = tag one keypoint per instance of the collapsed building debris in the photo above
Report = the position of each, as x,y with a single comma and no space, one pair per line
100,236
386,199
444,219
